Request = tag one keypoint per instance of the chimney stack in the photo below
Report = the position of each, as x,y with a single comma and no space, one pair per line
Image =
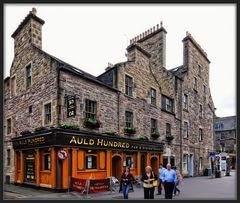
34,11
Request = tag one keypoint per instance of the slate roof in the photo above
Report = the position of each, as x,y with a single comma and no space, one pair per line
179,71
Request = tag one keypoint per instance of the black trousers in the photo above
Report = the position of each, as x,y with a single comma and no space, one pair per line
160,186
149,193
168,187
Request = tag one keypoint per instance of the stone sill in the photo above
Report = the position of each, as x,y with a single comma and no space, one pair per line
168,112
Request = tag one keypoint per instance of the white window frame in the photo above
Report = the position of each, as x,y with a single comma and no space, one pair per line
185,102
184,130
43,113
125,84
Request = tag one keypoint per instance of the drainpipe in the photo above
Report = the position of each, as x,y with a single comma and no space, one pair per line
58,95
118,107
181,112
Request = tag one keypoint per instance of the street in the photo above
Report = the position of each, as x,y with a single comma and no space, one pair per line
204,187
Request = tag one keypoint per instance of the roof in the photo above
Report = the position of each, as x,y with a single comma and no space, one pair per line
24,22
67,67
140,48
225,123
179,71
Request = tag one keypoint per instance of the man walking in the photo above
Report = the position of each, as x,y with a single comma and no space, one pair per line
160,182
169,179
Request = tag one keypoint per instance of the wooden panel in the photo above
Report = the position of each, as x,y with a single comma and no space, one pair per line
21,178
138,164
80,159
65,172
45,177
37,166
102,159
109,161
53,167
74,162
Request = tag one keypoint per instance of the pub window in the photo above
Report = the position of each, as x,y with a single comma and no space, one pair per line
129,161
195,83
9,126
153,126
13,86
47,161
128,85
129,119
29,75
91,162
200,134
168,129
185,129
153,96
167,104
30,109
91,109
47,113
8,157
185,102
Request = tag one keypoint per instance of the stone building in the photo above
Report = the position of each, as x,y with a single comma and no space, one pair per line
136,113
226,136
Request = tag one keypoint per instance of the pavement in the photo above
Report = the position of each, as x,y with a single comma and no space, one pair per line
204,187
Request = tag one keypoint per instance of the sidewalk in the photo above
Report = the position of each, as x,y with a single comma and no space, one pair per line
204,187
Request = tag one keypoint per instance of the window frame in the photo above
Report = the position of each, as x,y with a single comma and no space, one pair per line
195,83
200,134
9,127
47,165
44,113
130,121
153,97
90,109
165,106
185,131
131,160
185,163
87,161
8,157
28,67
200,110
168,129
185,102
155,125
128,85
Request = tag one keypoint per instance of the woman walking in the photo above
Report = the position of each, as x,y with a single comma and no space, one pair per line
179,180
126,182
147,178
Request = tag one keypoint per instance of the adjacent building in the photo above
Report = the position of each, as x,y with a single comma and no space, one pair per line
62,122
226,136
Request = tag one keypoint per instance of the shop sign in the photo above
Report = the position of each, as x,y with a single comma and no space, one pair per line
30,167
71,106
62,154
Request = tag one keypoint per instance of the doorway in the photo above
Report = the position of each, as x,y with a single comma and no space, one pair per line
191,168
143,163
117,167
154,165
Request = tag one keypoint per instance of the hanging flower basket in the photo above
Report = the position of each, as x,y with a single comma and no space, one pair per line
155,136
143,137
129,131
109,132
90,123
69,126
169,138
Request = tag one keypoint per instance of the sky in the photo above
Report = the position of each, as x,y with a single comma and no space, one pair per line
91,36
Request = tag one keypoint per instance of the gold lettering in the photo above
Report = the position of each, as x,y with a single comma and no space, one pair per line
91,142
127,145
100,141
85,142
119,144
110,143
105,143
73,140
123,145
79,142
115,144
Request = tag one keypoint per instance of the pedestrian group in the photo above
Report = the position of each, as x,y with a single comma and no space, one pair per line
168,179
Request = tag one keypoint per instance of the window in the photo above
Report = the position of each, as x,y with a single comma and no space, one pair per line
129,161
185,163
153,126
8,157
129,119
222,136
195,83
128,85
167,104
153,96
168,129
185,101
9,126
29,75
30,109
91,162
200,163
219,126
204,89
47,161
91,109
200,110
47,114
200,134
13,86
223,147
199,70
185,129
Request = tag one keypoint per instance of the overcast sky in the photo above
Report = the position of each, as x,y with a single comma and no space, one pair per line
90,36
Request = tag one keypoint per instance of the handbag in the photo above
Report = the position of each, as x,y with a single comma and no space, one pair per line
155,182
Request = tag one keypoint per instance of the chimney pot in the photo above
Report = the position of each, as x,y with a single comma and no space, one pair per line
150,30
34,11
153,28
157,26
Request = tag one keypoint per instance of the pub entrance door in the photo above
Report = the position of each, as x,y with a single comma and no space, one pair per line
154,165
117,167
30,166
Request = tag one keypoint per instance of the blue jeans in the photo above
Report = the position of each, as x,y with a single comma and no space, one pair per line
125,190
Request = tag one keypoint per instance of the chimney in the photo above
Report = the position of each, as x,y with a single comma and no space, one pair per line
34,11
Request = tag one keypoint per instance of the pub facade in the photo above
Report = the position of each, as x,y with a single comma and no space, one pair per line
61,122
